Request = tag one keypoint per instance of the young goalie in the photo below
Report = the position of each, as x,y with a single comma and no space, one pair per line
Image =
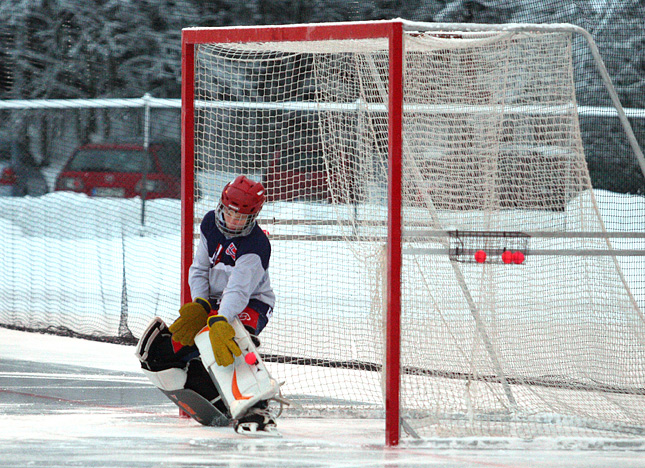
206,360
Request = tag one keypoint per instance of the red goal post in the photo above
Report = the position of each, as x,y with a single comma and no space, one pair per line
404,133
392,31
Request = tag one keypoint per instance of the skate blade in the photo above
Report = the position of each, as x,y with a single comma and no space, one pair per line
251,430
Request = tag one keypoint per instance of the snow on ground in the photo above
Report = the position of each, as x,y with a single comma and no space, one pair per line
71,402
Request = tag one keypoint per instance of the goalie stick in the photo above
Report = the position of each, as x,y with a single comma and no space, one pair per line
197,407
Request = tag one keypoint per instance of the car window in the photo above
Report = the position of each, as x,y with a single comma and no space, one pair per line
287,163
110,160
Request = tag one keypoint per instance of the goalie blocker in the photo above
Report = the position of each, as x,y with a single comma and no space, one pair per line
212,395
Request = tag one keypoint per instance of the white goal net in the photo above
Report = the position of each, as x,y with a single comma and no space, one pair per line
541,337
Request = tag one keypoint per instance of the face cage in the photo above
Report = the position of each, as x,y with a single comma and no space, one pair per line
221,223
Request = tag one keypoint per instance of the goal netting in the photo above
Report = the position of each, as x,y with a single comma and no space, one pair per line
551,342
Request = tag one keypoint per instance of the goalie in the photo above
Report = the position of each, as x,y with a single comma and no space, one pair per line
208,349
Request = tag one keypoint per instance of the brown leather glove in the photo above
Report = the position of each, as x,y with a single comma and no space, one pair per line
192,318
221,335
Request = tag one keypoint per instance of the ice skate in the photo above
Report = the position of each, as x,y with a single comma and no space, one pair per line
257,422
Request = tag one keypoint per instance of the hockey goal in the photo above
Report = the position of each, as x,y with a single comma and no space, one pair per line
392,153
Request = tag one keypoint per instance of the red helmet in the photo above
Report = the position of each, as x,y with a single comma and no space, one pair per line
242,200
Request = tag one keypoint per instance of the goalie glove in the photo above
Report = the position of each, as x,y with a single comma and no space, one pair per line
192,318
221,336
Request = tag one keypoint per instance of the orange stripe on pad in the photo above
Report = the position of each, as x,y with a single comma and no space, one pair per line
236,390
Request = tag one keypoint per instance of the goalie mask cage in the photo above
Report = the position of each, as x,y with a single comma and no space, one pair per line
380,144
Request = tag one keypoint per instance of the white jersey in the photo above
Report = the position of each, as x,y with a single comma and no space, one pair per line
230,272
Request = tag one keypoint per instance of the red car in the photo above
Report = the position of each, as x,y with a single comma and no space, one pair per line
124,170
299,174
295,175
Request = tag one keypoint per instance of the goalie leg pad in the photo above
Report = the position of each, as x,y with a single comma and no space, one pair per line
182,379
155,349
151,334
241,385
169,379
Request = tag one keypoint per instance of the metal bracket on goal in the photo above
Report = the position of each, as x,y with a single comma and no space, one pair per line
497,247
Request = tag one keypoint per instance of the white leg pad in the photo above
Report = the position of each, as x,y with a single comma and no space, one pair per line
241,385
169,379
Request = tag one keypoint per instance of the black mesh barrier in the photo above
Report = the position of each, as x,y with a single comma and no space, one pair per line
95,242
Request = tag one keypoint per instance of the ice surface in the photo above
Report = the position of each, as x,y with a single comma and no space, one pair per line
70,402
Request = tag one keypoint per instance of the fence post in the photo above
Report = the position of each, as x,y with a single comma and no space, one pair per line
146,145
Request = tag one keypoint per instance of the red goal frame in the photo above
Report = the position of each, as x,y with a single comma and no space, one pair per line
393,32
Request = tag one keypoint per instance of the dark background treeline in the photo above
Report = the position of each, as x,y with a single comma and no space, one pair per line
65,49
